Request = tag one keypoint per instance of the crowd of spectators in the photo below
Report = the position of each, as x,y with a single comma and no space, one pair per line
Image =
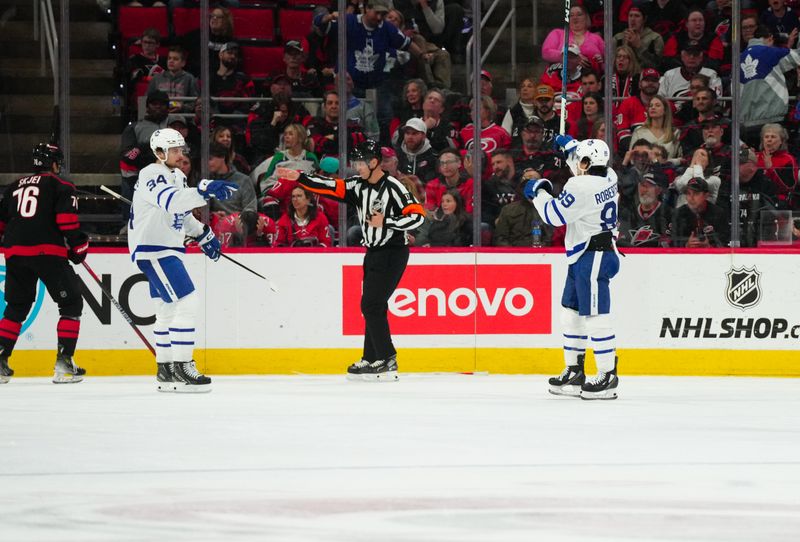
670,107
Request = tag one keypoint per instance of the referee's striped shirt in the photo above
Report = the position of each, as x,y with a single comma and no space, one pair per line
401,211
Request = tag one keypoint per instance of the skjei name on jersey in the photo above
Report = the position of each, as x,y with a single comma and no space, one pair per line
161,214
587,206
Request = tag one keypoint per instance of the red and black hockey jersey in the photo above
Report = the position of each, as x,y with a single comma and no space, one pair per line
38,214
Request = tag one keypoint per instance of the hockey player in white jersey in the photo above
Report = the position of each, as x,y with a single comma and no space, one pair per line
588,207
161,217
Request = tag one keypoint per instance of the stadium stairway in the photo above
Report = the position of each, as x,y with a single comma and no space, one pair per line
26,97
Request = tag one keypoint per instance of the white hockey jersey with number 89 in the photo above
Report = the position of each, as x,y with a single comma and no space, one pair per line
587,205
161,214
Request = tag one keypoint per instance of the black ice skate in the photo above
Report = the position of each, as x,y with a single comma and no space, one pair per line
66,372
571,379
164,377
602,386
383,370
6,372
355,371
188,380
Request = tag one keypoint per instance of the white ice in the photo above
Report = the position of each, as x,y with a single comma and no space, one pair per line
430,458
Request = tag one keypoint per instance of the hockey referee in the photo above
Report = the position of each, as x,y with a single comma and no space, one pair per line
386,210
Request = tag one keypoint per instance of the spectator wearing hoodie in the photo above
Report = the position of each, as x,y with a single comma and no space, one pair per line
415,155
176,82
219,166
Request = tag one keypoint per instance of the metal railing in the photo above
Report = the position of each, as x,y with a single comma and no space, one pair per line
511,18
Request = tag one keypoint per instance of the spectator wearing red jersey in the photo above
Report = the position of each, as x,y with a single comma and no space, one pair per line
779,165
492,136
591,47
552,74
664,16
245,229
696,35
303,225
450,176
632,112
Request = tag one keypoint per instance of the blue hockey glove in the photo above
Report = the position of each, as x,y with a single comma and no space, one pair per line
566,142
209,244
221,190
534,185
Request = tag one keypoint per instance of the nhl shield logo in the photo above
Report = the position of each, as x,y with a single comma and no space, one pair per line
744,287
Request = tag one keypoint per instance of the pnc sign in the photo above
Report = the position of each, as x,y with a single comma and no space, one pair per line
459,300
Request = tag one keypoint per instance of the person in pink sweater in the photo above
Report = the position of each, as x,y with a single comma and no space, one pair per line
591,44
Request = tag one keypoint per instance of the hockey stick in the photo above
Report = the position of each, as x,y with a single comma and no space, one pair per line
243,266
119,308
564,74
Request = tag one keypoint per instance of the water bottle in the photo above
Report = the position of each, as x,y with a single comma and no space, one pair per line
116,104
536,233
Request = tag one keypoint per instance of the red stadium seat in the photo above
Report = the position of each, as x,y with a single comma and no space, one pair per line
184,20
294,24
254,23
133,21
136,48
309,3
259,61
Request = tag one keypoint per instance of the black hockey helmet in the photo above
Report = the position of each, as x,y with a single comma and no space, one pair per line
366,151
44,154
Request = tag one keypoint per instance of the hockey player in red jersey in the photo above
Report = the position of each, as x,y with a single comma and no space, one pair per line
40,229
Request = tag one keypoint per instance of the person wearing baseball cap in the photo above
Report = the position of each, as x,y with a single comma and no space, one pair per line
647,224
694,59
699,223
415,155
646,43
694,40
702,166
632,111
544,106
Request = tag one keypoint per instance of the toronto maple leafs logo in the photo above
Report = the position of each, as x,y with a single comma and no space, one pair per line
749,67
366,58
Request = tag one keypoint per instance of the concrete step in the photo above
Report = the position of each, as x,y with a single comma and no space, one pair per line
79,10
80,31
86,123
34,104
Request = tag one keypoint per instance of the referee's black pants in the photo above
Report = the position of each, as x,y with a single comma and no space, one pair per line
383,269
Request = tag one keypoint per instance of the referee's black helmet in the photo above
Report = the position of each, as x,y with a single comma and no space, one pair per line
366,151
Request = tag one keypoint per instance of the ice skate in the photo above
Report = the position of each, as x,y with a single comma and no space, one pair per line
6,372
570,380
383,370
602,386
187,379
66,372
355,370
164,379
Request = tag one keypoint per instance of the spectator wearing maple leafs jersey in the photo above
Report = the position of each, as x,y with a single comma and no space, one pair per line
303,225
765,98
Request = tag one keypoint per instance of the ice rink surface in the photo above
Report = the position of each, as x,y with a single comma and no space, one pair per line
430,458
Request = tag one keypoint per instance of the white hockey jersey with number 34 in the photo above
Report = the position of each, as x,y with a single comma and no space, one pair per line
587,206
161,214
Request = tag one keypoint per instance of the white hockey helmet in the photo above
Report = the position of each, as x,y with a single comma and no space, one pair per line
166,139
593,151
